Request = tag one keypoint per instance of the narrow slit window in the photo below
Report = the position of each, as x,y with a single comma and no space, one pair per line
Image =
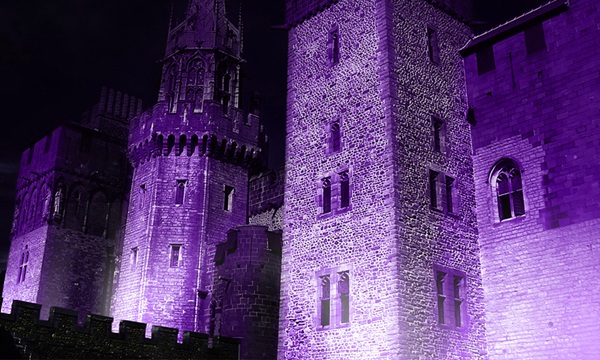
325,301
326,195
133,257
434,190
433,50
344,190
449,194
344,292
175,256
228,200
180,192
333,46
458,294
23,265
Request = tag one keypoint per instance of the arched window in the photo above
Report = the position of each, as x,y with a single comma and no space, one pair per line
344,292
508,188
325,299
23,265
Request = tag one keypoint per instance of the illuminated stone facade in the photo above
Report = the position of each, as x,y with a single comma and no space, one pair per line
538,106
363,238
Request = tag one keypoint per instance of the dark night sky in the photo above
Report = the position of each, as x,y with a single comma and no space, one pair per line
56,55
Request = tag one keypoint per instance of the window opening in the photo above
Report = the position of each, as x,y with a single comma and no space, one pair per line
344,190
449,194
534,38
180,192
485,60
433,50
325,300
175,256
458,284
335,137
333,46
439,283
326,195
509,191
133,258
439,135
228,202
23,265
344,291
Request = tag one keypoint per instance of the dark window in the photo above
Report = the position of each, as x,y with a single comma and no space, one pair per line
48,143
344,291
433,50
434,190
535,39
509,190
439,135
175,256
344,190
228,202
458,285
326,195
180,192
333,46
449,194
441,297
335,137
325,301
485,60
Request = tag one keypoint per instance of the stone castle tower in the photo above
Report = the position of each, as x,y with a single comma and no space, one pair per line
71,196
380,252
191,155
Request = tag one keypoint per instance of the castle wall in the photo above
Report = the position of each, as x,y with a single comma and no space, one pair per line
422,91
265,203
537,109
245,301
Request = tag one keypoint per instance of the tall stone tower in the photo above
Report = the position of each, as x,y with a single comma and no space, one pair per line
191,155
380,253
71,190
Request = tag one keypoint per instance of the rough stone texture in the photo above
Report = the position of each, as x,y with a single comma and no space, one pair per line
540,109
384,91
63,337
204,140
246,290
71,189
266,199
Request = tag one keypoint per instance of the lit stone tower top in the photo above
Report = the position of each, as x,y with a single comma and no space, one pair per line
191,154
214,43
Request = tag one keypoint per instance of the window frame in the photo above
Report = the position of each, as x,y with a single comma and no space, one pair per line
337,319
179,262
506,166
449,296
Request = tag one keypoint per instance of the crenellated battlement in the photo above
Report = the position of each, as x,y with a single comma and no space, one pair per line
63,336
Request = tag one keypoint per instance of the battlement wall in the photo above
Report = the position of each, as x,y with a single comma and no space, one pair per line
62,337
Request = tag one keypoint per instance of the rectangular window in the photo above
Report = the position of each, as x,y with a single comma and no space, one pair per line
325,300
133,258
439,283
449,194
434,190
142,195
175,255
344,292
344,190
335,137
458,284
180,192
433,51
333,46
485,60
228,202
534,38
326,195
48,143
439,135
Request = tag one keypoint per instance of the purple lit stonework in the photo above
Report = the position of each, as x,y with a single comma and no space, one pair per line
439,198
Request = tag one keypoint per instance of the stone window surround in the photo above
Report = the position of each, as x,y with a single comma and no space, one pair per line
335,300
455,197
179,264
449,302
492,176
335,179
328,143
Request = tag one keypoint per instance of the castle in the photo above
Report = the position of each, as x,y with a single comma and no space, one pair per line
439,198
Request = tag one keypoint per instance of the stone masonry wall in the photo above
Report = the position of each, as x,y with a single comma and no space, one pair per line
265,205
540,110
424,89
246,290
358,239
